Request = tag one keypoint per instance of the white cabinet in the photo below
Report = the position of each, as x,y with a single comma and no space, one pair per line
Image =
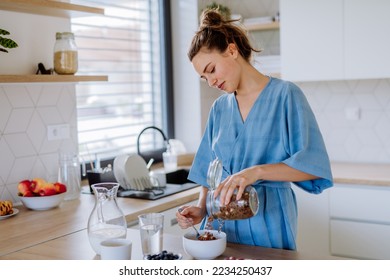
334,39
367,42
360,221
311,39
313,225
347,221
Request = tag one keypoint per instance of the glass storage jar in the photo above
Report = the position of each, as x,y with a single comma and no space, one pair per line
69,174
65,54
246,207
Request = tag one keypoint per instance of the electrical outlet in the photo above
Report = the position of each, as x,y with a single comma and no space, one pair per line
352,113
58,132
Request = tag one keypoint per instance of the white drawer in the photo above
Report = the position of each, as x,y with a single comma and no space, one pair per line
359,240
364,203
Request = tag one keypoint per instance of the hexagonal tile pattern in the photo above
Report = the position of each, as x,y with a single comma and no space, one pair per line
363,140
25,112
5,110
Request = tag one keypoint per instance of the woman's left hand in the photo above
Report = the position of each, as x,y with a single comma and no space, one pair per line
238,181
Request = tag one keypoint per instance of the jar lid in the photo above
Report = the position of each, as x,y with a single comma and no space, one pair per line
214,174
60,35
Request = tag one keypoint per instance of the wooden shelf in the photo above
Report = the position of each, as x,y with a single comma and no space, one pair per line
51,78
49,8
262,26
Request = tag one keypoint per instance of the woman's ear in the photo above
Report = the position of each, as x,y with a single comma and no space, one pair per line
232,50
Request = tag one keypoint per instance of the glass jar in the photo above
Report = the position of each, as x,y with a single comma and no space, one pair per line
65,54
107,220
214,174
69,175
246,207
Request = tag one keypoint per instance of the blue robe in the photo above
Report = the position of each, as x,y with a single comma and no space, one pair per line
280,127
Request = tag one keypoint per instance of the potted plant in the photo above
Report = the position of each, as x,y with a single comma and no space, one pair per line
222,9
6,43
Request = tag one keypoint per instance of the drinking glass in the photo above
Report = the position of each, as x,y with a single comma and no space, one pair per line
151,230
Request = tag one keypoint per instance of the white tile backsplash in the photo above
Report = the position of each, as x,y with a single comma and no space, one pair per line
364,140
25,112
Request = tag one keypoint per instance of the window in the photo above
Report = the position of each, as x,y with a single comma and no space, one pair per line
129,45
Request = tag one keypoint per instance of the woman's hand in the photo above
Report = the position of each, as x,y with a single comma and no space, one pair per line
187,216
239,180
248,176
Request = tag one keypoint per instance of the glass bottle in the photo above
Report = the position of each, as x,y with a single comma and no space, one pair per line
69,175
107,220
65,54
246,207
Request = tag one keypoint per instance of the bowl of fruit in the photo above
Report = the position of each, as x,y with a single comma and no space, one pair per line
207,246
38,194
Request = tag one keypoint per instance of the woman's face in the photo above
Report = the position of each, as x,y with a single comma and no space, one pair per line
220,70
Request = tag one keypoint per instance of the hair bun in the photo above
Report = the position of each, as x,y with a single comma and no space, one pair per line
210,18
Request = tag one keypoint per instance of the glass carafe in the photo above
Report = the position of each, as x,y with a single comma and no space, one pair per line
107,220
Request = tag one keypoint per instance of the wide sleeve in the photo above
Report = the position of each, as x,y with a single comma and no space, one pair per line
304,143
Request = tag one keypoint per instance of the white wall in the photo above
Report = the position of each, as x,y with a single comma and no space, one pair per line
187,94
35,35
364,140
27,109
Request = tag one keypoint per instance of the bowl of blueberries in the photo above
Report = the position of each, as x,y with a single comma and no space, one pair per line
164,255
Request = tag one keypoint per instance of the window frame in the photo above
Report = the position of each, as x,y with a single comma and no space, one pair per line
166,77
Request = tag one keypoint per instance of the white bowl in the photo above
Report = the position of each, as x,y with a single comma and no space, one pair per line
42,202
204,249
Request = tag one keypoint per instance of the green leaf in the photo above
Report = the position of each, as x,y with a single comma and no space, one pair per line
8,43
4,32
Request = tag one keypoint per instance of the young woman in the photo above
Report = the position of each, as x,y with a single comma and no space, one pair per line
264,132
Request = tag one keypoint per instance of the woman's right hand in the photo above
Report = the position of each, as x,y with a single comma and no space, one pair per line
188,216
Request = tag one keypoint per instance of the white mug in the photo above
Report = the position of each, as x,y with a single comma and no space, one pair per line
158,178
116,249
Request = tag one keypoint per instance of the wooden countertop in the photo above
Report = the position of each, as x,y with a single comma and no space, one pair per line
76,247
60,233
29,228
361,173
28,231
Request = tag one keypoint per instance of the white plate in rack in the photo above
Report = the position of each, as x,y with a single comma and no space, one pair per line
16,211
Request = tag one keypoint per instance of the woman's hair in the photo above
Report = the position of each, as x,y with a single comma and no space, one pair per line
215,33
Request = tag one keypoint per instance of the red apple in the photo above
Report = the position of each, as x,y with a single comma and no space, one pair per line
24,188
60,188
37,184
47,189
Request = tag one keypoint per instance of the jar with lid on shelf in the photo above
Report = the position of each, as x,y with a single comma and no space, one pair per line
65,54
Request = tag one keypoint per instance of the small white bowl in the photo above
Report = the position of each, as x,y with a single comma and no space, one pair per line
204,249
42,202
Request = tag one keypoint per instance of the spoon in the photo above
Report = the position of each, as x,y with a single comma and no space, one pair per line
197,232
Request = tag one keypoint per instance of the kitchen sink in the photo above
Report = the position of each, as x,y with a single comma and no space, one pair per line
176,182
178,177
